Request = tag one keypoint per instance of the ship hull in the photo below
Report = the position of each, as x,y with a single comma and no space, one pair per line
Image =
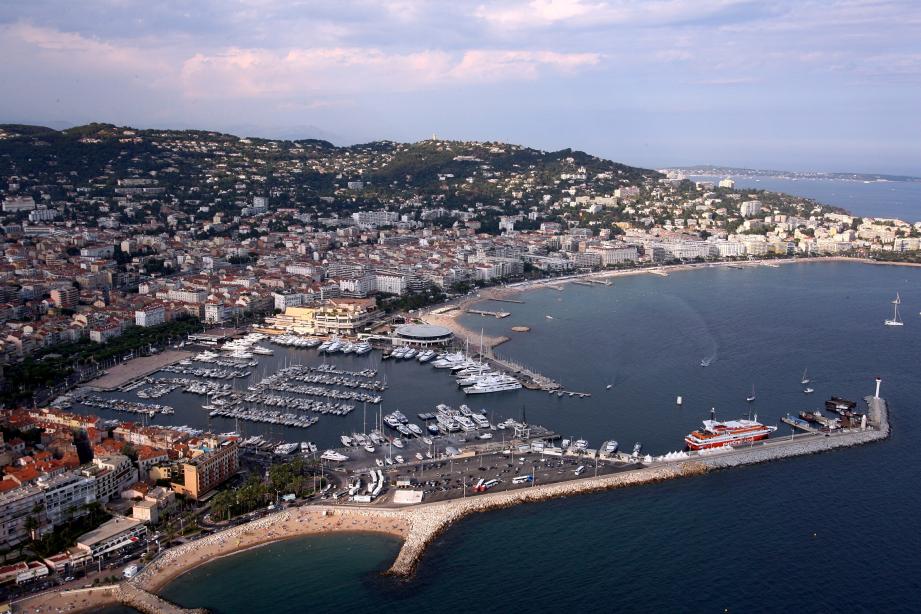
693,445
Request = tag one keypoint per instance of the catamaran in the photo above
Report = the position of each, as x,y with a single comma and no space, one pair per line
895,321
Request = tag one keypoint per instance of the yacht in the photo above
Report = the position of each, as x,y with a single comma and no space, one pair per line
362,348
470,380
414,429
397,442
449,360
895,321
426,356
369,448
409,353
346,440
332,455
498,383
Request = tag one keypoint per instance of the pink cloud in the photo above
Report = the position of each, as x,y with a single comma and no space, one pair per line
260,72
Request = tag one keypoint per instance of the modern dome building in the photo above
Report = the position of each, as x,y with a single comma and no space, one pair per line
422,335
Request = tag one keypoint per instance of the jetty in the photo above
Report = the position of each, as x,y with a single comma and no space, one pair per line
495,314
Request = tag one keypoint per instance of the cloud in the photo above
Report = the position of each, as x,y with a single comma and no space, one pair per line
263,72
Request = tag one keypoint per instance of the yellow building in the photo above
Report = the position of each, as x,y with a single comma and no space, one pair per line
334,317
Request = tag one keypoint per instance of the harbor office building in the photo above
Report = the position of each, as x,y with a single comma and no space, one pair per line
112,535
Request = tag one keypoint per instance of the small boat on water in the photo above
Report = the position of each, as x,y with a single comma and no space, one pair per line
894,320
805,379
751,398
706,362
808,390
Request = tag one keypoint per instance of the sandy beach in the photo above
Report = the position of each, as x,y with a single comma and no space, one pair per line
295,522
79,600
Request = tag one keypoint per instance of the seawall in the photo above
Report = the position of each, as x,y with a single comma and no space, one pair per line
428,521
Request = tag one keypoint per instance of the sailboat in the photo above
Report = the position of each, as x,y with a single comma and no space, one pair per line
752,397
895,321
805,379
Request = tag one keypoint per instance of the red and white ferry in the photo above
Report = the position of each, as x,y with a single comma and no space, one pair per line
716,434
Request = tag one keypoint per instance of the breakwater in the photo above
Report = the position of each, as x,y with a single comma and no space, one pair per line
130,595
428,521
419,525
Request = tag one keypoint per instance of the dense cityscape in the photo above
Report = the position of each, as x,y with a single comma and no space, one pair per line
121,244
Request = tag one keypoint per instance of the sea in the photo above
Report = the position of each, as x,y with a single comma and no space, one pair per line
885,199
834,532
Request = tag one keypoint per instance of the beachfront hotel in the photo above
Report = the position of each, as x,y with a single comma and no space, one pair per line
215,462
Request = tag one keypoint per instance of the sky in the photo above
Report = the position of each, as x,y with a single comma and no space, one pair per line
806,85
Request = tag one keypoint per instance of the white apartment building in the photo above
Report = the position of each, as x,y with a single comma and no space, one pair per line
112,474
152,315
750,208
390,283
187,296
66,496
285,300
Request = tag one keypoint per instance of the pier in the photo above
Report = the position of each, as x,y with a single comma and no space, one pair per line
506,300
495,314
530,379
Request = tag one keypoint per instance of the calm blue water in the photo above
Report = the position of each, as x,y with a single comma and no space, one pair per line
834,532
894,199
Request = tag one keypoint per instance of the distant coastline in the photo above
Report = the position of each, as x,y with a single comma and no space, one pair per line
718,171
450,319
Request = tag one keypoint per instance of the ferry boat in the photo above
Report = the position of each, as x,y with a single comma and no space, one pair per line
715,434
